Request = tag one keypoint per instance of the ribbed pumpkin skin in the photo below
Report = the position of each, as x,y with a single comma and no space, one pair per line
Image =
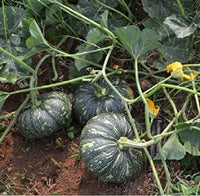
100,151
87,105
52,114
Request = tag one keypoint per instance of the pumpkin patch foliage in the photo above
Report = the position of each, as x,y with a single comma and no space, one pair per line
119,63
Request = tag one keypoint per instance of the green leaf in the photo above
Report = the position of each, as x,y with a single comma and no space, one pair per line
94,36
74,73
15,43
191,138
197,179
157,25
137,42
8,78
164,8
104,21
181,27
37,37
94,57
36,42
96,12
172,149
129,37
172,48
176,49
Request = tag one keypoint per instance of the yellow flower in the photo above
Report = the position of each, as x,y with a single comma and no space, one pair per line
190,77
176,69
115,67
153,109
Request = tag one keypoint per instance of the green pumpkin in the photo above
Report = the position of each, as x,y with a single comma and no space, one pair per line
53,113
101,153
90,100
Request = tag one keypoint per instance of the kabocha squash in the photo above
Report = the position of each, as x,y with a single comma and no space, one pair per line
90,99
101,152
53,112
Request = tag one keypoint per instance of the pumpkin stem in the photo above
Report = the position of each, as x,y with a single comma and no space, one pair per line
99,91
124,143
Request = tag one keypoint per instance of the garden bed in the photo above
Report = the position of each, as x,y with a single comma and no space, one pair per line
56,45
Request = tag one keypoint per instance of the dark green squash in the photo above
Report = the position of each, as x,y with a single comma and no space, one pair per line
90,100
100,151
53,113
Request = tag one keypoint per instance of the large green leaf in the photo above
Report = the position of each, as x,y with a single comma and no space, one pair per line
36,42
172,149
176,49
172,48
37,37
15,43
136,42
164,8
191,138
181,27
157,25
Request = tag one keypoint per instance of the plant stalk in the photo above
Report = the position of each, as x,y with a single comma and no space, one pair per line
181,8
154,171
147,123
82,78
99,91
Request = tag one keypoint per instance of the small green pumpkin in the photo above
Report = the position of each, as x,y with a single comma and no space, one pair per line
53,112
100,151
90,100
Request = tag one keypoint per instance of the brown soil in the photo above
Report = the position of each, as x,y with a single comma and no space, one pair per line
44,167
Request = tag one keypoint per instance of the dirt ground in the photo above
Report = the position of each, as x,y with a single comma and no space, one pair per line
44,167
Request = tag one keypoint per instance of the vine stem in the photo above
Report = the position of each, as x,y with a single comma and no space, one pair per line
181,88
132,17
154,171
172,103
124,142
103,73
196,97
157,87
75,56
34,80
82,78
147,123
167,173
132,121
181,8
14,118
